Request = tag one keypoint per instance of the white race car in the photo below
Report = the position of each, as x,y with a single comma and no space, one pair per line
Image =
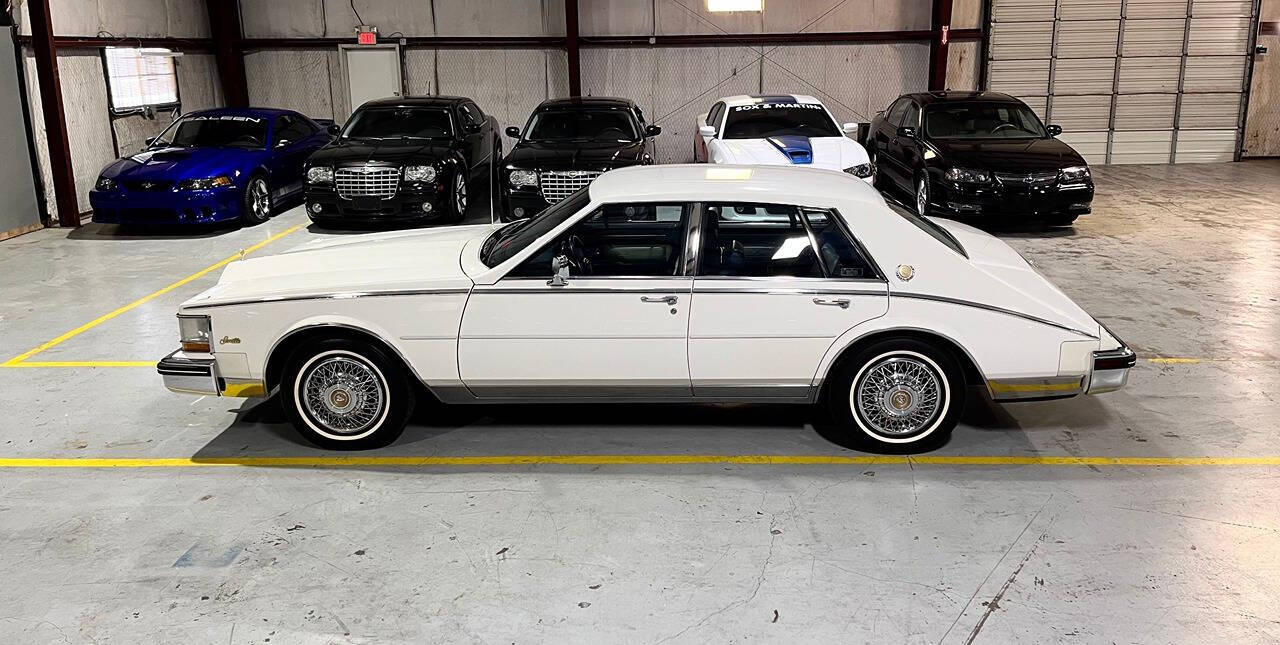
779,131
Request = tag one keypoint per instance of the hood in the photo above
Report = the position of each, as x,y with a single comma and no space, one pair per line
603,155
1011,155
351,152
391,261
829,153
1028,291
175,164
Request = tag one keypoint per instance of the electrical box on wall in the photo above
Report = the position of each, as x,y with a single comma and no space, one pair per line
366,35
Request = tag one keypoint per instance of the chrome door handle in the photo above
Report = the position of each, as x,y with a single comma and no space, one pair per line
670,300
842,303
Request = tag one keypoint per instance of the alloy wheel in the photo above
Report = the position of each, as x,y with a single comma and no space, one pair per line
260,199
460,195
922,196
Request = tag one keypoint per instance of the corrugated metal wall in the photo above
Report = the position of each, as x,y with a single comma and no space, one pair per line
1129,81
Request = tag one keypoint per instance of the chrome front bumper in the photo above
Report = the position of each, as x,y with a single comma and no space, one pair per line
189,375
1111,369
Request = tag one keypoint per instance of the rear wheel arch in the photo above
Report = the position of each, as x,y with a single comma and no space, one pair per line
968,366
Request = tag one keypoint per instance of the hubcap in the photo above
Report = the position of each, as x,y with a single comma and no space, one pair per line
260,199
343,394
898,396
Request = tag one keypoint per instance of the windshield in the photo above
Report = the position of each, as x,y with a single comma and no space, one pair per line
214,131
763,120
399,122
583,125
936,232
982,121
504,243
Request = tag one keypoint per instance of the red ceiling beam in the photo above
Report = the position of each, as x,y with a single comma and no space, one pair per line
66,202
766,40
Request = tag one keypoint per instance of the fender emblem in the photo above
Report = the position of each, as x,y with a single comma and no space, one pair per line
227,340
906,272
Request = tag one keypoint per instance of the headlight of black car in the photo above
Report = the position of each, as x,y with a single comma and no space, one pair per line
1075,174
105,183
419,173
320,175
862,170
968,175
523,178
204,184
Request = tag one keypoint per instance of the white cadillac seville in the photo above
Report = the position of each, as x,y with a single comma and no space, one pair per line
656,283
779,131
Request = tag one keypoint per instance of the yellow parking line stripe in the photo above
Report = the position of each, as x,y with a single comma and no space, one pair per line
147,298
1175,359
625,460
81,364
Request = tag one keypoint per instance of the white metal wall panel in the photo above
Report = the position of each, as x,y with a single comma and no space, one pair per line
1079,10
1084,76
1222,8
1206,146
1215,74
304,80
1145,111
1019,78
1082,113
515,80
1218,37
1091,145
1021,40
198,84
1145,9
855,81
1149,74
1141,146
1209,112
1022,10
1153,37
1087,38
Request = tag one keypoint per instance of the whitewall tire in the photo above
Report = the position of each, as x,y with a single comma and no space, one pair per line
346,395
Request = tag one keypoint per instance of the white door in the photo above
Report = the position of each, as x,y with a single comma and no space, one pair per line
372,71
772,293
616,329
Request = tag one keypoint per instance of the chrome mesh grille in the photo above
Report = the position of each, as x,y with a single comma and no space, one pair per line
367,182
1028,179
558,184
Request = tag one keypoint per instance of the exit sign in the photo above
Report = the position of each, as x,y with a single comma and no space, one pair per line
366,35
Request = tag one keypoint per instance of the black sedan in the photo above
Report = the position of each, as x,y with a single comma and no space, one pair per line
411,159
566,144
983,155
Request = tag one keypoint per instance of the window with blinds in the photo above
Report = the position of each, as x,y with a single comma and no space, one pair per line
140,78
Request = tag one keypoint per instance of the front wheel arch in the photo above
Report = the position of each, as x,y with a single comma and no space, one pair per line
279,355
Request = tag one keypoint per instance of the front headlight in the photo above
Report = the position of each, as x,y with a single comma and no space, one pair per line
862,170
320,175
1075,174
419,173
204,184
523,179
968,175
105,183
196,333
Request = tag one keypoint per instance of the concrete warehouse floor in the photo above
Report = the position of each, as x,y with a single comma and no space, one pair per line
1181,261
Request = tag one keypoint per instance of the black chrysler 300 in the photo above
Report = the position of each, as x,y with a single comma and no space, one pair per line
412,159
983,155
566,144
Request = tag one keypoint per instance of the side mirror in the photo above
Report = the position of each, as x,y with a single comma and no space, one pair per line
653,131
849,128
333,129
1055,130
559,271
907,132
282,143
513,132
707,131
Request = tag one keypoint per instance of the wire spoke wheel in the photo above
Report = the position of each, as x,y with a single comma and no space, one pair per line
898,395
345,395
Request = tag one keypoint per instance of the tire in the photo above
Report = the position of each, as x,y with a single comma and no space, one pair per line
458,200
922,194
1062,220
346,395
896,395
256,201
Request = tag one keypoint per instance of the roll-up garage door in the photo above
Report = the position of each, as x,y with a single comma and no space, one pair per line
1129,81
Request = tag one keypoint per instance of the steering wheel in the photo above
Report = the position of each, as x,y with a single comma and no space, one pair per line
576,251
616,133
249,139
1003,126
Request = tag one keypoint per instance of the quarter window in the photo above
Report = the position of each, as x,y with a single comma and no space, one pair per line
756,240
897,111
638,239
911,116
841,258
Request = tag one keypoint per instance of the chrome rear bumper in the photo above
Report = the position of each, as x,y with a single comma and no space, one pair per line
189,375
1111,369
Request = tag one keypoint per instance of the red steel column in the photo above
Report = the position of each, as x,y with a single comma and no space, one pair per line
224,26
55,118
571,47
938,45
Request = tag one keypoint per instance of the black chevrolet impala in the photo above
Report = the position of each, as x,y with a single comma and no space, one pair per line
411,159
981,155
566,144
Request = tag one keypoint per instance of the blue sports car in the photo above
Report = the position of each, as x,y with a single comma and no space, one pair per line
211,166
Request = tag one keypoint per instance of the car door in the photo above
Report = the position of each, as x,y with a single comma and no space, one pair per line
886,161
476,148
616,327
775,286
905,151
295,140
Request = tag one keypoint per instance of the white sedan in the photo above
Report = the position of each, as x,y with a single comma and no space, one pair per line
779,131
657,283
